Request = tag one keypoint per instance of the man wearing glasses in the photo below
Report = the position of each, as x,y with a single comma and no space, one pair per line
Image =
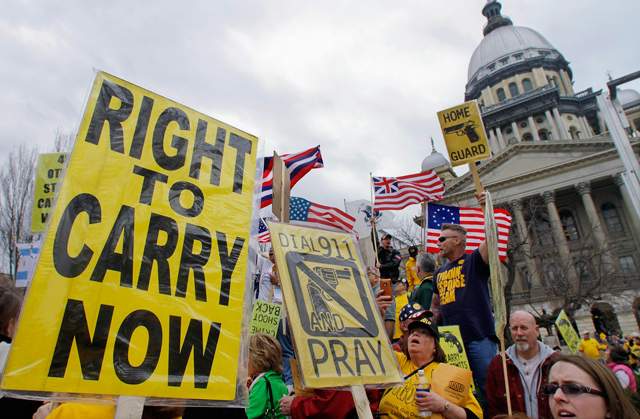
528,365
461,297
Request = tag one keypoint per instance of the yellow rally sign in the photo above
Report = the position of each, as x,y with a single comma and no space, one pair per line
140,285
464,134
453,347
48,176
568,332
338,333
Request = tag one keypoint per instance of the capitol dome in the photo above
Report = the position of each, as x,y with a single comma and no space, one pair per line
504,42
433,161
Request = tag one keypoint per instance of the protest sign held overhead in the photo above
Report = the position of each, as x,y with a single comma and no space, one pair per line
464,134
48,177
340,339
139,288
567,331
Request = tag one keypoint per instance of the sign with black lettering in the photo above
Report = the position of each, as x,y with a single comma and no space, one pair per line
48,178
339,336
464,134
140,285
265,318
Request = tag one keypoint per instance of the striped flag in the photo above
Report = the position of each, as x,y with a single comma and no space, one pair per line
299,164
263,233
472,219
321,215
396,193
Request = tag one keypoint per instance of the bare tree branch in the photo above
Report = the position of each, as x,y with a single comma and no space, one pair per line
16,195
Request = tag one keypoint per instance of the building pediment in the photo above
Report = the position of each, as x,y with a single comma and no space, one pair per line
521,163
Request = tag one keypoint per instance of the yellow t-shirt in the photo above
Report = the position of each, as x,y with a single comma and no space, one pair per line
412,275
590,348
82,411
401,301
399,402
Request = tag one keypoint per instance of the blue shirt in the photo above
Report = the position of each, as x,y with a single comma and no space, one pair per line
463,288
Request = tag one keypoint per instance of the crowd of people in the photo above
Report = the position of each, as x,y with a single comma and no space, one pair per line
599,382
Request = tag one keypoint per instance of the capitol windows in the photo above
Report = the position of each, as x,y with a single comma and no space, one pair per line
544,135
569,225
501,95
627,265
612,218
527,137
513,89
542,228
527,85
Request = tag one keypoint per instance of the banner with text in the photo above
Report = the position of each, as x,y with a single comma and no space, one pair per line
48,177
339,336
139,288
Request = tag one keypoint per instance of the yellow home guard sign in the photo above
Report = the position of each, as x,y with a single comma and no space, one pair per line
339,336
139,288
464,134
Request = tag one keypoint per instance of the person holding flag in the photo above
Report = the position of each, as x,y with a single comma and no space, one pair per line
461,291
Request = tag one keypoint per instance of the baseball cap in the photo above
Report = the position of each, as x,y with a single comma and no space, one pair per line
387,236
423,321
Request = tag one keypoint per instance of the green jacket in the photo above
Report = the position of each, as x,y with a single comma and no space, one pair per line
423,293
259,395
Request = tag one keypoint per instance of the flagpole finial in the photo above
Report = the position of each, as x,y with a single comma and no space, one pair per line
433,146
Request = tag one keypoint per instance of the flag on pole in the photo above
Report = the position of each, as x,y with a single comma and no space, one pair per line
472,219
263,233
299,164
306,211
396,193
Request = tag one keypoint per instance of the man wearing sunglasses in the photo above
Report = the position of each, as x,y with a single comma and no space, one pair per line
528,365
461,297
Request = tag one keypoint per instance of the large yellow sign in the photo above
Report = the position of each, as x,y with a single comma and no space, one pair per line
338,333
568,332
139,289
464,134
48,176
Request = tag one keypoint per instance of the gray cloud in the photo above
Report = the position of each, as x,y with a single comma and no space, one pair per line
363,80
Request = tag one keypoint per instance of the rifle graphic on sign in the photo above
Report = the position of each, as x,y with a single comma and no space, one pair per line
466,128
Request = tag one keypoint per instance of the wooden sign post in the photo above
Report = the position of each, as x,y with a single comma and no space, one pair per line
466,140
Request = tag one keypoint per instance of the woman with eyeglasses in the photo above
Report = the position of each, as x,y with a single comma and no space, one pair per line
585,389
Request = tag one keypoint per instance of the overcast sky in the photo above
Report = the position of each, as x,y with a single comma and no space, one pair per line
362,79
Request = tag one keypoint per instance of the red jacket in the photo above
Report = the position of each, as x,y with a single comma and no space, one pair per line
334,404
497,396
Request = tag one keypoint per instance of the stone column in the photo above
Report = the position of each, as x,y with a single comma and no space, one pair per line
493,141
516,131
534,128
560,239
587,126
629,208
525,239
501,140
560,122
567,82
584,189
552,122
584,132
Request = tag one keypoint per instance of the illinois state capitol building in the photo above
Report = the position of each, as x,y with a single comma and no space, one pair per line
575,238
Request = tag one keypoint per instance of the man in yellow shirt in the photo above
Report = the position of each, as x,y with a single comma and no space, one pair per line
413,280
589,346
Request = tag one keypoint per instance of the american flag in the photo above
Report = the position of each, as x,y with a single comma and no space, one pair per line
299,164
321,215
396,193
472,219
263,233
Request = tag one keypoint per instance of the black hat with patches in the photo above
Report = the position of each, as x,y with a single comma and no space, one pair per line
422,320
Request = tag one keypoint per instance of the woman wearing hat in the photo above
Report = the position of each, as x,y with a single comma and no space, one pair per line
424,353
